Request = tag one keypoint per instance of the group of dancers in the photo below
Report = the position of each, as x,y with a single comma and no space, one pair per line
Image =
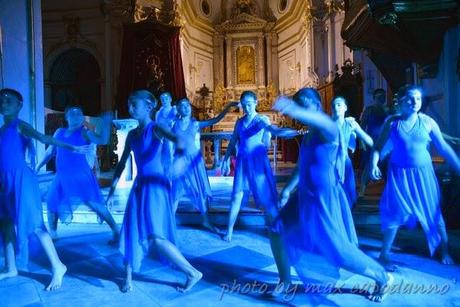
310,221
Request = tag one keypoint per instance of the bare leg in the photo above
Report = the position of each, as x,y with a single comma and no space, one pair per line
10,269
52,223
102,211
128,282
234,210
388,238
58,268
208,225
445,257
175,256
281,260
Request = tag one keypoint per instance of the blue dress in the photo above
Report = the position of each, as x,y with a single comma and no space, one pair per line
149,211
411,192
74,182
195,181
253,171
19,191
348,139
316,224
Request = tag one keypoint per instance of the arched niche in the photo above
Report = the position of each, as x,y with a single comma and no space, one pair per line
73,77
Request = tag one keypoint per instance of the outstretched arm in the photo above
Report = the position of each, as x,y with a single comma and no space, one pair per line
218,118
316,119
50,153
451,139
29,131
103,137
444,149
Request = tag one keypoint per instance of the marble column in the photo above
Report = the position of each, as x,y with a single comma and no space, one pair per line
268,51
331,47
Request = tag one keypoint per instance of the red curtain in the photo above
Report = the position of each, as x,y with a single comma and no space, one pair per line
150,59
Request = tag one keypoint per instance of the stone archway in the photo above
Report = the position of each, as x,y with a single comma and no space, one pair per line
74,78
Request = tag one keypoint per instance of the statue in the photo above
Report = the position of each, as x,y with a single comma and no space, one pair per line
245,56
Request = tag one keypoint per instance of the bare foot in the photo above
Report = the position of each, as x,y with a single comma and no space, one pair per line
8,274
58,275
227,237
388,264
283,288
446,259
191,281
127,286
382,290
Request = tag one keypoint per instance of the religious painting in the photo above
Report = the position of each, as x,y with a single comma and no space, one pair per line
245,63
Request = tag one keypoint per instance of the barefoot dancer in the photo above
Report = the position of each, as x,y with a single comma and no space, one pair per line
318,225
194,182
411,191
20,205
75,182
149,217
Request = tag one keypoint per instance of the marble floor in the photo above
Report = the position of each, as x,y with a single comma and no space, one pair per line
239,273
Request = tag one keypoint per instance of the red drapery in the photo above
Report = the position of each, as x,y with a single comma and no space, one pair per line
150,59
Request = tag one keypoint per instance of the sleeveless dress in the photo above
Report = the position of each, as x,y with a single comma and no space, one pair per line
253,171
149,211
19,191
194,182
348,139
411,192
316,224
74,183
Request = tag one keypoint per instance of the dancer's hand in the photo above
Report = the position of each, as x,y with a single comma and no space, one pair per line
283,198
225,168
232,104
375,173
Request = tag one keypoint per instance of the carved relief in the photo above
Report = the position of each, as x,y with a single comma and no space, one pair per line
245,57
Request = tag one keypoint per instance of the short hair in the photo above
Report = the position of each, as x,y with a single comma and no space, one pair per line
185,99
68,108
406,89
10,91
165,93
378,90
339,97
250,94
145,95
307,95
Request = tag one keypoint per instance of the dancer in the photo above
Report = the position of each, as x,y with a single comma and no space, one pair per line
349,130
318,224
195,181
75,182
167,116
149,216
253,173
20,204
411,192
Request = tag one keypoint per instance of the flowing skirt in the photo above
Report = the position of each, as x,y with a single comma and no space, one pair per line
148,215
194,183
319,235
411,195
69,190
20,204
253,173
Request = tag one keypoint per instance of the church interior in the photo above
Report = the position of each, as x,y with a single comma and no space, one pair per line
93,54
